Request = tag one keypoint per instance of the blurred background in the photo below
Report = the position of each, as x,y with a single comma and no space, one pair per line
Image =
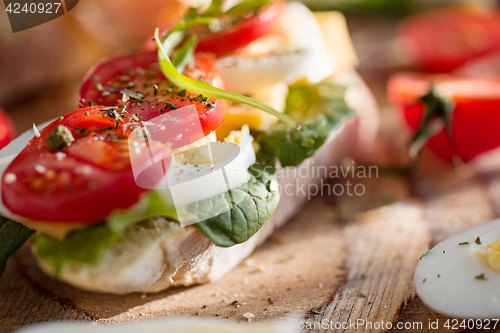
41,68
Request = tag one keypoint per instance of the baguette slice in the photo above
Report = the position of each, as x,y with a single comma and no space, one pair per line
158,254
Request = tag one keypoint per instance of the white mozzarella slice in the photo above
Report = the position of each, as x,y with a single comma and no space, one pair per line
293,50
209,171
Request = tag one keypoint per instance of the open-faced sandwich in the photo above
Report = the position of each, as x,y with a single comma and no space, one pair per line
158,180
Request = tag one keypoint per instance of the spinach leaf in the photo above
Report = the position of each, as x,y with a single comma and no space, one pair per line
12,236
253,203
320,108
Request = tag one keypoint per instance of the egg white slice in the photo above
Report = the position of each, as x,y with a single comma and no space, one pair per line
296,50
449,279
200,174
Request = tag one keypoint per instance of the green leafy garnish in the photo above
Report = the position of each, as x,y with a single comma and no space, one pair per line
200,87
247,6
215,9
425,251
59,138
481,277
438,114
320,108
132,95
151,206
184,55
76,247
463,243
12,236
255,202
84,246
382,8
315,311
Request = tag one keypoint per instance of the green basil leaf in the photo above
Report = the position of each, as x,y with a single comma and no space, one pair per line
320,108
255,202
12,236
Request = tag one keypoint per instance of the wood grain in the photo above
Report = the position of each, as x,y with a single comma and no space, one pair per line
384,248
347,257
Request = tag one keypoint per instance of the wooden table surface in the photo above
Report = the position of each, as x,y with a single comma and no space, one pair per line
346,257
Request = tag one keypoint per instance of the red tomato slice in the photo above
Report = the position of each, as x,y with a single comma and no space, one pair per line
7,129
446,39
141,75
476,115
242,33
83,182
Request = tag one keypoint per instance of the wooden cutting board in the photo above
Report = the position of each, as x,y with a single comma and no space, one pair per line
343,258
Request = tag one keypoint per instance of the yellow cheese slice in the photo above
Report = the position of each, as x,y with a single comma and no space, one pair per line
338,41
240,114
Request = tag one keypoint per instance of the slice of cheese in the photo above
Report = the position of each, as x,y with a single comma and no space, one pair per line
55,230
241,114
337,39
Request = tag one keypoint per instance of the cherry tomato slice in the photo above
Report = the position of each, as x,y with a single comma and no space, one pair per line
241,33
446,39
148,93
7,129
476,116
83,182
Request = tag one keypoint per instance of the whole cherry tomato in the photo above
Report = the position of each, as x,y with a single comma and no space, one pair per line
444,40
